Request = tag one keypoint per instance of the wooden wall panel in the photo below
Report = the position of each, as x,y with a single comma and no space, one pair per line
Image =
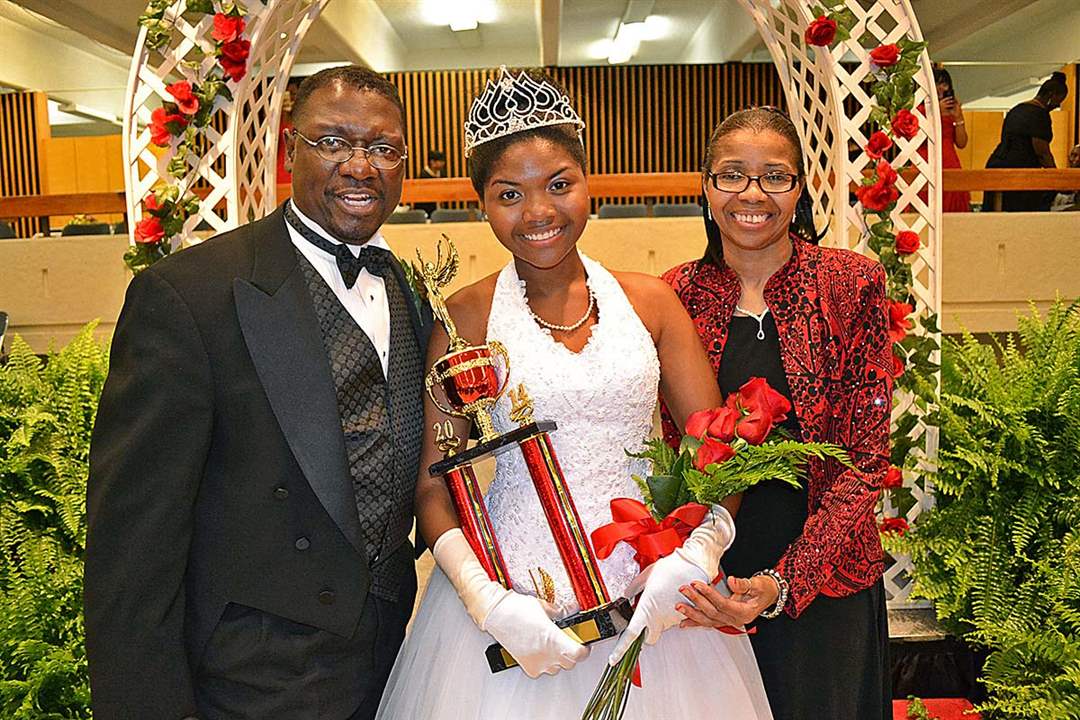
85,164
24,135
63,166
639,118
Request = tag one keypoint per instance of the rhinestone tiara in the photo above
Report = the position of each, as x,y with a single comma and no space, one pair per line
513,103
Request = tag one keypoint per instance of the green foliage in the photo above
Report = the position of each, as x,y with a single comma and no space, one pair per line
1000,553
916,710
46,414
675,481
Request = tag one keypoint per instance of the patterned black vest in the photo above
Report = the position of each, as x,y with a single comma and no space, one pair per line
382,422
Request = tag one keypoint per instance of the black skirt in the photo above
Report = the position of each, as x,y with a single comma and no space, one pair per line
831,662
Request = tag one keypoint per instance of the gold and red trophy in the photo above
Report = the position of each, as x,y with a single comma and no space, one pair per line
467,378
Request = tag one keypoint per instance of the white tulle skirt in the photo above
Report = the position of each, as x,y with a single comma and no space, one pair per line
441,673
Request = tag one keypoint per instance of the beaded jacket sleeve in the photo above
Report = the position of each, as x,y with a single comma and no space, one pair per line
830,309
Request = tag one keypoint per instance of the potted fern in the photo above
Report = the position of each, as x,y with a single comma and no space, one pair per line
47,409
999,555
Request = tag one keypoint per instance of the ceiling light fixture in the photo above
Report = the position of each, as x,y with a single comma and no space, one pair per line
626,42
629,36
464,23
460,16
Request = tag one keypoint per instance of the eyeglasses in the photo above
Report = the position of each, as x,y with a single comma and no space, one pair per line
338,150
735,182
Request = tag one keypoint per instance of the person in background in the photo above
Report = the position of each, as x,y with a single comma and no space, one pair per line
435,167
806,564
1069,200
1025,143
953,135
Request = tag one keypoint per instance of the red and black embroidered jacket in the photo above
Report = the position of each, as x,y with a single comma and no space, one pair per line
829,306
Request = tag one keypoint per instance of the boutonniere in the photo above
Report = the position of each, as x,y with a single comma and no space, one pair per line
416,285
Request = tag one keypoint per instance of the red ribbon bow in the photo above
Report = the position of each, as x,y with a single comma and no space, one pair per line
635,525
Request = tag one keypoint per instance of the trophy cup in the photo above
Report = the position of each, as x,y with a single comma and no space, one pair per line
470,386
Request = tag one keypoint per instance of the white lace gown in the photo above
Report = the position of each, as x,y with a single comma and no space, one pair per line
603,400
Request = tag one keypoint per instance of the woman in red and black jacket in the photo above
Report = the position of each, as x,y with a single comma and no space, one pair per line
768,302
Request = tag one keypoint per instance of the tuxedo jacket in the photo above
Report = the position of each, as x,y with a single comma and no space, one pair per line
218,470
830,309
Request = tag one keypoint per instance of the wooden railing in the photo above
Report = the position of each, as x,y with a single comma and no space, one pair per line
640,185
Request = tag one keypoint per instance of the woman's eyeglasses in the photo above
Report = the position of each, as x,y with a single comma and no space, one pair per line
736,182
338,150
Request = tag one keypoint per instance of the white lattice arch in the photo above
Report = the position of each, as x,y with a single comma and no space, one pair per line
247,189
825,98
830,106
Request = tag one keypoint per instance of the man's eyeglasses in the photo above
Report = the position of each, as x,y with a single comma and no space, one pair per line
732,181
338,150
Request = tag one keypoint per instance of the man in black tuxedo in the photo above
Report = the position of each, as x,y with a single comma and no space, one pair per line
257,445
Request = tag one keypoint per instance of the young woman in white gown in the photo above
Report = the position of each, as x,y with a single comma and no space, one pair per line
593,348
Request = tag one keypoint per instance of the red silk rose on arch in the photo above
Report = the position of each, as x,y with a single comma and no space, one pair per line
878,196
234,57
821,32
885,55
184,95
907,242
832,24
898,365
879,193
878,144
905,124
149,230
894,525
227,27
164,213
899,322
165,124
894,478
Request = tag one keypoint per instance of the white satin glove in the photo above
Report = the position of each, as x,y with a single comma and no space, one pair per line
697,559
521,625
518,622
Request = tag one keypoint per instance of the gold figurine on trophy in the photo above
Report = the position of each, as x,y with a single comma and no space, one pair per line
466,373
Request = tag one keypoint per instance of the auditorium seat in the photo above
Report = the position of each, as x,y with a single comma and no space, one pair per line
407,216
87,229
633,210
676,210
443,215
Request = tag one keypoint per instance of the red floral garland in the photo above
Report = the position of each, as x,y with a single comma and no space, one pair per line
177,123
893,69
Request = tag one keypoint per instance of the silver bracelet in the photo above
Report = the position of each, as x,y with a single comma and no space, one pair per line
781,600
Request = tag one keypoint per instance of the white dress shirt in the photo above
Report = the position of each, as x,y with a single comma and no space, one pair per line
366,300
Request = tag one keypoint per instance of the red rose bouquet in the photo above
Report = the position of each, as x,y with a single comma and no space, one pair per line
725,451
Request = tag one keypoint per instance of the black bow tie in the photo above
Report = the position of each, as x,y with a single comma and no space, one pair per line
375,260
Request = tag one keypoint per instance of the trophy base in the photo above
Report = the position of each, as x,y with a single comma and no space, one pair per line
495,446
587,627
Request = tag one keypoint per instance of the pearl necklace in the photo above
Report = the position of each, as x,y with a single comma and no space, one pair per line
760,320
564,328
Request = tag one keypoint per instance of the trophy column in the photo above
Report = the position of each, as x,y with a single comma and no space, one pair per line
471,511
469,384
